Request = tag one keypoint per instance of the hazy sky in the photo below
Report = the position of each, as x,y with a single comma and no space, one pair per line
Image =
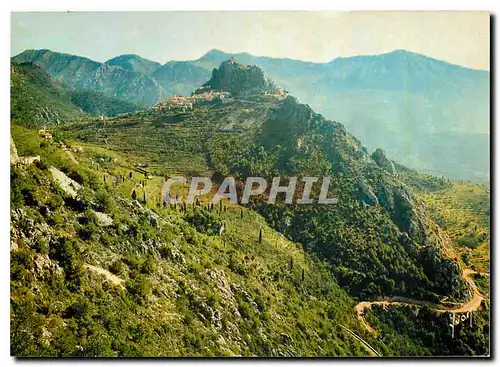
459,37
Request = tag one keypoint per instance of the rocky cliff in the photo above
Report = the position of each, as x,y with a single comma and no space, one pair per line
237,79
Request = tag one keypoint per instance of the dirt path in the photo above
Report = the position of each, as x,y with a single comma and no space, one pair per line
472,305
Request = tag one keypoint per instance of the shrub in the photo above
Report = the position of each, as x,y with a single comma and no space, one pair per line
139,287
117,267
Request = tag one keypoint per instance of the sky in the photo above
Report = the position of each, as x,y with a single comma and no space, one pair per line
461,38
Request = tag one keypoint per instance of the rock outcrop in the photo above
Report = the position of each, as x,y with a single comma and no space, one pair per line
380,157
238,79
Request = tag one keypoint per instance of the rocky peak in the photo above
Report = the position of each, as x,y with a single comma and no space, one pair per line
237,78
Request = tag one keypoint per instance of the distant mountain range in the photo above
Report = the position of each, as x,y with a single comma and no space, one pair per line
428,114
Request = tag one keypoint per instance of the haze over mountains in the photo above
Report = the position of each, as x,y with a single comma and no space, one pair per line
428,114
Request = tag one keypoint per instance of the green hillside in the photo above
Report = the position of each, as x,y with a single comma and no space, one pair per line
379,239
38,99
152,283
81,73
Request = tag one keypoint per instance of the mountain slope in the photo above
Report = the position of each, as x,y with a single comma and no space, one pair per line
83,74
158,280
38,99
180,77
428,114
113,271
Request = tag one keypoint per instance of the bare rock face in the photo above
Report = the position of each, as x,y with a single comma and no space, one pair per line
236,78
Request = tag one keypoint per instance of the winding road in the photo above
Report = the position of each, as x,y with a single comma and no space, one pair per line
472,305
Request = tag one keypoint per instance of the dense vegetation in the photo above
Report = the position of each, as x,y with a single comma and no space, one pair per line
37,99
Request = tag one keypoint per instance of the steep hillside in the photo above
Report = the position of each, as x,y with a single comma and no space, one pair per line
428,114
37,99
100,266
